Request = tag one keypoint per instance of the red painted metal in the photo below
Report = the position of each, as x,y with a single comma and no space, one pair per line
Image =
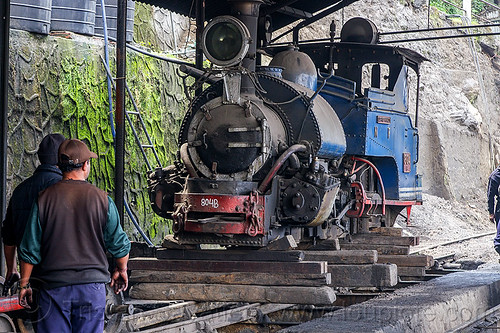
364,204
10,303
408,212
250,208
361,200
402,203
379,179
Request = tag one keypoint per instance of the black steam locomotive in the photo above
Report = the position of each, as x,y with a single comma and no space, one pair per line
318,144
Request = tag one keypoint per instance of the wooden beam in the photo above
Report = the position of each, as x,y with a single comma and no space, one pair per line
231,255
388,231
377,275
304,267
384,240
233,293
266,279
343,256
138,249
283,244
407,260
326,245
411,271
381,249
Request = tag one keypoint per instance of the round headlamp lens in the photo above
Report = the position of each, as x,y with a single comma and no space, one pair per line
224,41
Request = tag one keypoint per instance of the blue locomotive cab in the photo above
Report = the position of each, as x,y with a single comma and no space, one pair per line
375,113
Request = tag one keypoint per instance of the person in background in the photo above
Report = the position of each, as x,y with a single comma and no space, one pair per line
493,196
71,226
494,209
18,210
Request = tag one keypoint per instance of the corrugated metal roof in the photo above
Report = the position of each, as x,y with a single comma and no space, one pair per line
283,12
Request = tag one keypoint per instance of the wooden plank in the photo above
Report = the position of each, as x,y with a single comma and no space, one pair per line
411,271
266,279
407,260
381,249
283,244
230,255
343,256
376,275
304,267
388,231
383,240
233,293
325,245
138,249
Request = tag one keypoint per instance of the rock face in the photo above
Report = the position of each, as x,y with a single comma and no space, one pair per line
458,118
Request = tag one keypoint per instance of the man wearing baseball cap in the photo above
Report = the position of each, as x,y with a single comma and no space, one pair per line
70,228
18,211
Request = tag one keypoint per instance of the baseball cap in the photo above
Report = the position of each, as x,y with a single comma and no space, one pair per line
74,151
48,148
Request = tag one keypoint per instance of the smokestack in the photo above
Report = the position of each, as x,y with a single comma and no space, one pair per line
247,11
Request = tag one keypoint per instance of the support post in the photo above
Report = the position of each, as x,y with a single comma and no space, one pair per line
467,6
4,109
120,107
200,24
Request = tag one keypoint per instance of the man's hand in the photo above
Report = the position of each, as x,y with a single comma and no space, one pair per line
492,218
12,278
119,280
25,297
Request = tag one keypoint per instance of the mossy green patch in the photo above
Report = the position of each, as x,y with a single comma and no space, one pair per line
59,85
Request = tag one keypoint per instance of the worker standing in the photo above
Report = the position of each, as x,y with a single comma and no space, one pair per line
18,211
493,196
70,227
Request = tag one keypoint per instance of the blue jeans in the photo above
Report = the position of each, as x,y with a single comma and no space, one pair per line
75,308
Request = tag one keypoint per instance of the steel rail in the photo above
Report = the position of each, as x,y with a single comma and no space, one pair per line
494,311
453,241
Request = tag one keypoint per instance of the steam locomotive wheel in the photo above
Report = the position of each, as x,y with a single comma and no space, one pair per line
6,324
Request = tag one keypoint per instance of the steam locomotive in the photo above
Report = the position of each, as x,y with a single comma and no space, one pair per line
318,144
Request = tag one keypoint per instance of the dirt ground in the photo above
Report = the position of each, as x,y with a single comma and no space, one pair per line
438,221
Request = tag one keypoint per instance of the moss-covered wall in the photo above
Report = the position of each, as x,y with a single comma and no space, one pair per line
59,85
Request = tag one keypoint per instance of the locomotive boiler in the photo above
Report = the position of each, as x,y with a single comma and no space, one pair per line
304,146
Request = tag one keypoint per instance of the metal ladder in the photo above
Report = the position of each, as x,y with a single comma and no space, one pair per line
137,113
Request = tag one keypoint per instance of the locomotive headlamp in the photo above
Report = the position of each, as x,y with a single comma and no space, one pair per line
225,41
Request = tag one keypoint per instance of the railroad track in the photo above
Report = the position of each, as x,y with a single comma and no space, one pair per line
229,290
488,321
419,250
231,316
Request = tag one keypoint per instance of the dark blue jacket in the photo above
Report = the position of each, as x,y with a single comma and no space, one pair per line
493,183
22,200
